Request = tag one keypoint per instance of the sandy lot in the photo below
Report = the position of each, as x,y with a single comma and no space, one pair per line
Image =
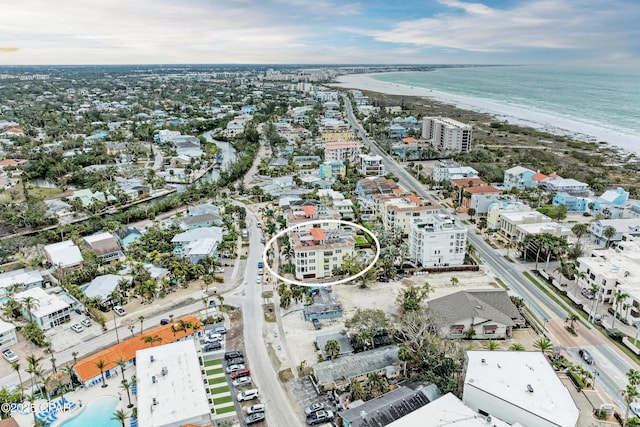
300,335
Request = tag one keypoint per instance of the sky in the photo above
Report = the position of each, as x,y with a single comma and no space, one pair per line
587,32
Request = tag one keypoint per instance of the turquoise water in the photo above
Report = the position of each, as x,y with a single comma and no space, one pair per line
605,97
96,414
84,288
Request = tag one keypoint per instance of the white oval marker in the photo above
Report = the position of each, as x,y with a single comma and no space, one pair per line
320,221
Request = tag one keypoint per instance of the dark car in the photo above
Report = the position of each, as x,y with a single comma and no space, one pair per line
164,321
233,354
212,346
254,418
235,361
586,356
316,324
244,372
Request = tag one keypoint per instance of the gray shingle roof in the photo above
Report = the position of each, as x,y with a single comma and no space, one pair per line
356,365
487,304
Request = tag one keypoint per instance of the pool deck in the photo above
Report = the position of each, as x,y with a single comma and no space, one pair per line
81,397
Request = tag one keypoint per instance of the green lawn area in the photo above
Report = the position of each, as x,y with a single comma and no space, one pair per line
214,371
219,389
220,380
213,362
225,399
226,409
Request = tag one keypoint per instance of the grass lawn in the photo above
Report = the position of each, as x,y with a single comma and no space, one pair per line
220,380
215,371
213,362
219,390
226,409
225,399
360,240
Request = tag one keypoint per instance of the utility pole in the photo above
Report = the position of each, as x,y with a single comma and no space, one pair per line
115,322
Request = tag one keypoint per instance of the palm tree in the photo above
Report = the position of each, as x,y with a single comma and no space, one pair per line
101,365
121,363
332,349
120,415
376,384
30,303
405,355
544,345
34,365
491,345
580,230
616,297
621,300
16,367
609,233
516,346
630,394
131,328
454,281
357,391
141,319
75,357
633,376
126,386
572,318
151,339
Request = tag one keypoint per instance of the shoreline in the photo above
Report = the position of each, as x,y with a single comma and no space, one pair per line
517,115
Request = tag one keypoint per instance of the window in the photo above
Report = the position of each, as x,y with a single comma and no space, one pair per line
457,329
489,329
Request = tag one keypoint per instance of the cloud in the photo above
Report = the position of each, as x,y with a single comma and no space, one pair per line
8,49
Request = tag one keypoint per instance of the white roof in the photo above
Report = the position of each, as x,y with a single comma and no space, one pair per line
64,254
517,170
6,327
201,247
180,394
20,277
102,286
447,410
98,237
505,375
47,303
543,227
199,233
519,216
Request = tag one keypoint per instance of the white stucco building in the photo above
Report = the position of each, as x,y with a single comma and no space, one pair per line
317,252
447,135
437,240
517,387
171,390
8,335
48,310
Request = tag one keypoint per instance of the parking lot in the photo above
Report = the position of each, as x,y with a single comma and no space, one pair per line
306,394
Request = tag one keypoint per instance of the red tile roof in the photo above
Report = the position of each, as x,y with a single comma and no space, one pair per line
318,234
482,190
409,139
464,182
309,210
126,350
414,199
539,176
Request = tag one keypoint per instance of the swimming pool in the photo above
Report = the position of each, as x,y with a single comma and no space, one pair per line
97,414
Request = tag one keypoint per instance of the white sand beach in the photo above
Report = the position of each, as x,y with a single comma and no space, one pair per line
581,131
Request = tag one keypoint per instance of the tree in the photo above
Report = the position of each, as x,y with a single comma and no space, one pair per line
120,415
516,346
332,349
609,232
121,363
141,319
629,394
151,339
544,345
491,345
357,390
30,303
580,230
633,376
16,367
411,297
101,365
126,386
369,320
471,212
376,384
454,281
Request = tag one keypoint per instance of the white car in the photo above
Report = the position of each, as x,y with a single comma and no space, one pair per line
233,368
119,310
259,279
77,327
86,322
213,338
258,407
10,356
239,382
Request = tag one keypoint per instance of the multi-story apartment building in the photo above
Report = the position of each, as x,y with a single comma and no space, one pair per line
334,133
397,213
449,170
300,215
437,241
371,165
318,252
518,225
447,135
341,151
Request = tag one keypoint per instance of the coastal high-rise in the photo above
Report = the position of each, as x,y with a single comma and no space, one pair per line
447,135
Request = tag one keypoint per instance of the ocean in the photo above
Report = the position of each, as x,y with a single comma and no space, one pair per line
596,104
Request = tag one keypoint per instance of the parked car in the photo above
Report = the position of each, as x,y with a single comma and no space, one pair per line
220,330
77,327
10,355
164,321
212,303
258,407
259,280
316,324
213,338
254,418
233,368
235,361
86,322
240,373
220,270
119,310
588,293
586,356
232,354
212,346
320,417
239,382
314,407
247,395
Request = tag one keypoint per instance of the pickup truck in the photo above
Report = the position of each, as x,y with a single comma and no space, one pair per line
320,417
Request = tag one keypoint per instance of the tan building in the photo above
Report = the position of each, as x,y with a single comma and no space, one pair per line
318,252
341,151
336,133
303,214
397,213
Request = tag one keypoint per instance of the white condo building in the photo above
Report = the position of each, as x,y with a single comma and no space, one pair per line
447,135
317,252
171,392
437,240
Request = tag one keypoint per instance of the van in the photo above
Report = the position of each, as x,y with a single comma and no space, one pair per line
248,395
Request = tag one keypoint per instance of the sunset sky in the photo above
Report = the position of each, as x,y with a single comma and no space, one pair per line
593,32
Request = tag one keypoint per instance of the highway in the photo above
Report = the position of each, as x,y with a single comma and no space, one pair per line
611,363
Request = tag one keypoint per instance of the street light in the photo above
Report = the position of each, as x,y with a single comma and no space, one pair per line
596,374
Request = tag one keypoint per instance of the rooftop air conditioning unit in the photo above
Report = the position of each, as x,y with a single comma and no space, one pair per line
151,358
164,371
153,379
154,401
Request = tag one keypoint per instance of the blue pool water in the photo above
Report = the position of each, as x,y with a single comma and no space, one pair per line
84,288
97,414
